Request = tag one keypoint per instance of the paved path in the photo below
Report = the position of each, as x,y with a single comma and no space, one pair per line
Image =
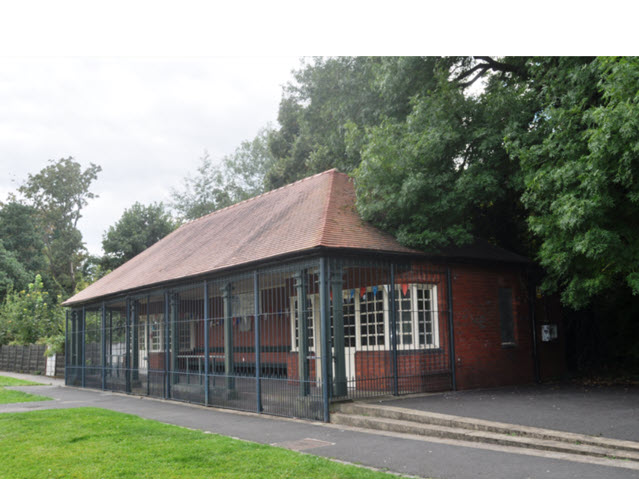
398,454
602,411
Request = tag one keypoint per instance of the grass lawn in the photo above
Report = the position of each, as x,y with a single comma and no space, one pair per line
15,382
13,396
97,443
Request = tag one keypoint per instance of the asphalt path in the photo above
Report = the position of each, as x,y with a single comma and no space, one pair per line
408,456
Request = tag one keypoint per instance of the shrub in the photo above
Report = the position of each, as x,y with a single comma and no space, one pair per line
29,315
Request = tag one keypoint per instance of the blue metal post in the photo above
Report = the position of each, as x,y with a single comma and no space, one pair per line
302,336
83,323
127,342
325,331
393,330
167,385
103,343
206,343
258,346
66,347
148,345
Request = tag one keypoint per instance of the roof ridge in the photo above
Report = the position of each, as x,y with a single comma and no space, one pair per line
257,196
329,198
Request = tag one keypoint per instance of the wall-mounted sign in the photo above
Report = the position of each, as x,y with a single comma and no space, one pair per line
548,332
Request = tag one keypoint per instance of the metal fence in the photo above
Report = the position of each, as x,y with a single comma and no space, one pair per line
283,340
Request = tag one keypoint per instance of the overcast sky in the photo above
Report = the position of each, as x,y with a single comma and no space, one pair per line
135,87
146,122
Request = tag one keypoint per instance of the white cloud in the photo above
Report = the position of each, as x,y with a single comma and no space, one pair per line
145,121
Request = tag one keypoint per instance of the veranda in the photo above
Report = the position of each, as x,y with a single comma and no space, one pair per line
281,338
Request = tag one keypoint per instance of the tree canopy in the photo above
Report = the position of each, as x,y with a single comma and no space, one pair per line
539,155
534,154
216,185
139,227
580,161
58,193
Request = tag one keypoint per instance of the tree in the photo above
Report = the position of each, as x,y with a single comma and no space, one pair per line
580,159
441,175
21,246
139,227
238,176
58,193
20,233
13,275
326,96
30,315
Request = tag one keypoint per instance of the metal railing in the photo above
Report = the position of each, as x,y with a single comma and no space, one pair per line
282,340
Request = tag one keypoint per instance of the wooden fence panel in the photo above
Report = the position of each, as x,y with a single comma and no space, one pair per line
27,359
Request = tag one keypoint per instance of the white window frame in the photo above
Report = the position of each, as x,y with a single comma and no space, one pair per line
434,316
358,319
415,344
153,318
314,324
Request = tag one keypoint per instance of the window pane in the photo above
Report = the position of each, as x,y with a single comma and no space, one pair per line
372,317
425,317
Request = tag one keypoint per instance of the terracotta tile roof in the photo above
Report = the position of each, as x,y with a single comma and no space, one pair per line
313,212
318,211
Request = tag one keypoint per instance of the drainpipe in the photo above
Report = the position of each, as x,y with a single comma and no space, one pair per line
533,324
451,328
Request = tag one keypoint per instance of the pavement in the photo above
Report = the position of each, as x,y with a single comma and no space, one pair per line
611,412
404,454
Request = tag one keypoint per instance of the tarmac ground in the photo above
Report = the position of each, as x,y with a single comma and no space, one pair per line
406,455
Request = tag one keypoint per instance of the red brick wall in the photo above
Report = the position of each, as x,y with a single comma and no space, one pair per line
418,371
293,370
481,359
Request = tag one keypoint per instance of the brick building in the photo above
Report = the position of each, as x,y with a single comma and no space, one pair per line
287,301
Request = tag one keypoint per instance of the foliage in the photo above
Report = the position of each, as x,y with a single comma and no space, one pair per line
91,270
58,193
239,176
325,96
30,314
13,275
20,233
580,161
139,227
55,344
21,247
441,175
97,443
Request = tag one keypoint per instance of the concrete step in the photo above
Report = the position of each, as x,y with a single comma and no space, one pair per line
395,419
